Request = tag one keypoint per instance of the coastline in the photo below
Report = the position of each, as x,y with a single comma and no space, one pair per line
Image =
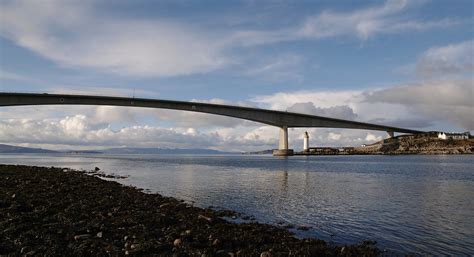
59,212
399,145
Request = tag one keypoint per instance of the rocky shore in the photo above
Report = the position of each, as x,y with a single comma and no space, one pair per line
62,212
418,144
401,145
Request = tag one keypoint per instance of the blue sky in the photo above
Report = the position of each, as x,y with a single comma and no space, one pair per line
408,63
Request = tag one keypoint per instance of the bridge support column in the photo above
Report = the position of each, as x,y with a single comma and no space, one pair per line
390,134
283,144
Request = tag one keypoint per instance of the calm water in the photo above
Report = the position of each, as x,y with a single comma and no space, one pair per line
410,204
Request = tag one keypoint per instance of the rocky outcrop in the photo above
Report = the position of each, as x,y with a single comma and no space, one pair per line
417,144
405,144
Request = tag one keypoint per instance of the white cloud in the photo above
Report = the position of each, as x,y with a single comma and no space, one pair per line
338,111
73,126
345,104
334,136
441,93
372,138
453,59
321,99
111,114
362,23
449,100
414,105
71,34
320,137
277,68
80,130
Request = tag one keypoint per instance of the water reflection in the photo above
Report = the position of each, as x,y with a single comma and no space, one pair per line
283,181
417,204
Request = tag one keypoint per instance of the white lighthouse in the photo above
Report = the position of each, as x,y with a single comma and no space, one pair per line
306,142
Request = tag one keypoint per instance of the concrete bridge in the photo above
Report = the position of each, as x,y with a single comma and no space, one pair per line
281,119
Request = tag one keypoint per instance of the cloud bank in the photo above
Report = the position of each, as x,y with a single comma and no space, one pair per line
417,105
74,35
439,100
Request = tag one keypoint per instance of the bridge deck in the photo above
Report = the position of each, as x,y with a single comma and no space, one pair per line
270,117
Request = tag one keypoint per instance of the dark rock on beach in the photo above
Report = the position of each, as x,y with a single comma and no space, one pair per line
62,212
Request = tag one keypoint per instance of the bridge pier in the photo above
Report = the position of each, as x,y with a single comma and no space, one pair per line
283,144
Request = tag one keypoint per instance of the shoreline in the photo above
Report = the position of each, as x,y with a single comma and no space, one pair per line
379,153
64,212
424,144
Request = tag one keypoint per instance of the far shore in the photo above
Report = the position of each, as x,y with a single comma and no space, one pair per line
422,144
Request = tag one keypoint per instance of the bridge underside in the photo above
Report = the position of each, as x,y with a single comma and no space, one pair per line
283,120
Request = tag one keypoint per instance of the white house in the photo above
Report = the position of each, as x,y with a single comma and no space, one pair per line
454,136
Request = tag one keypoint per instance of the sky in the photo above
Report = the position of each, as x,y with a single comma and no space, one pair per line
398,62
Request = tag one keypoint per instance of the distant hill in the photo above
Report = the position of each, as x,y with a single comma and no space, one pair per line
128,150
19,149
269,151
123,150
82,151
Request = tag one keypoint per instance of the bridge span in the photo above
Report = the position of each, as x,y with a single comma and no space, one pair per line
281,119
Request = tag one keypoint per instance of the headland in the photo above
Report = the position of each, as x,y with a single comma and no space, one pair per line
404,144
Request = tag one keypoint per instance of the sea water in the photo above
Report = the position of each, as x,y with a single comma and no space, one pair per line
408,204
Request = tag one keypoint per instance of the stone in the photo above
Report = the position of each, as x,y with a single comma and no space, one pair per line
164,205
200,216
30,253
81,237
177,242
343,250
24,249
